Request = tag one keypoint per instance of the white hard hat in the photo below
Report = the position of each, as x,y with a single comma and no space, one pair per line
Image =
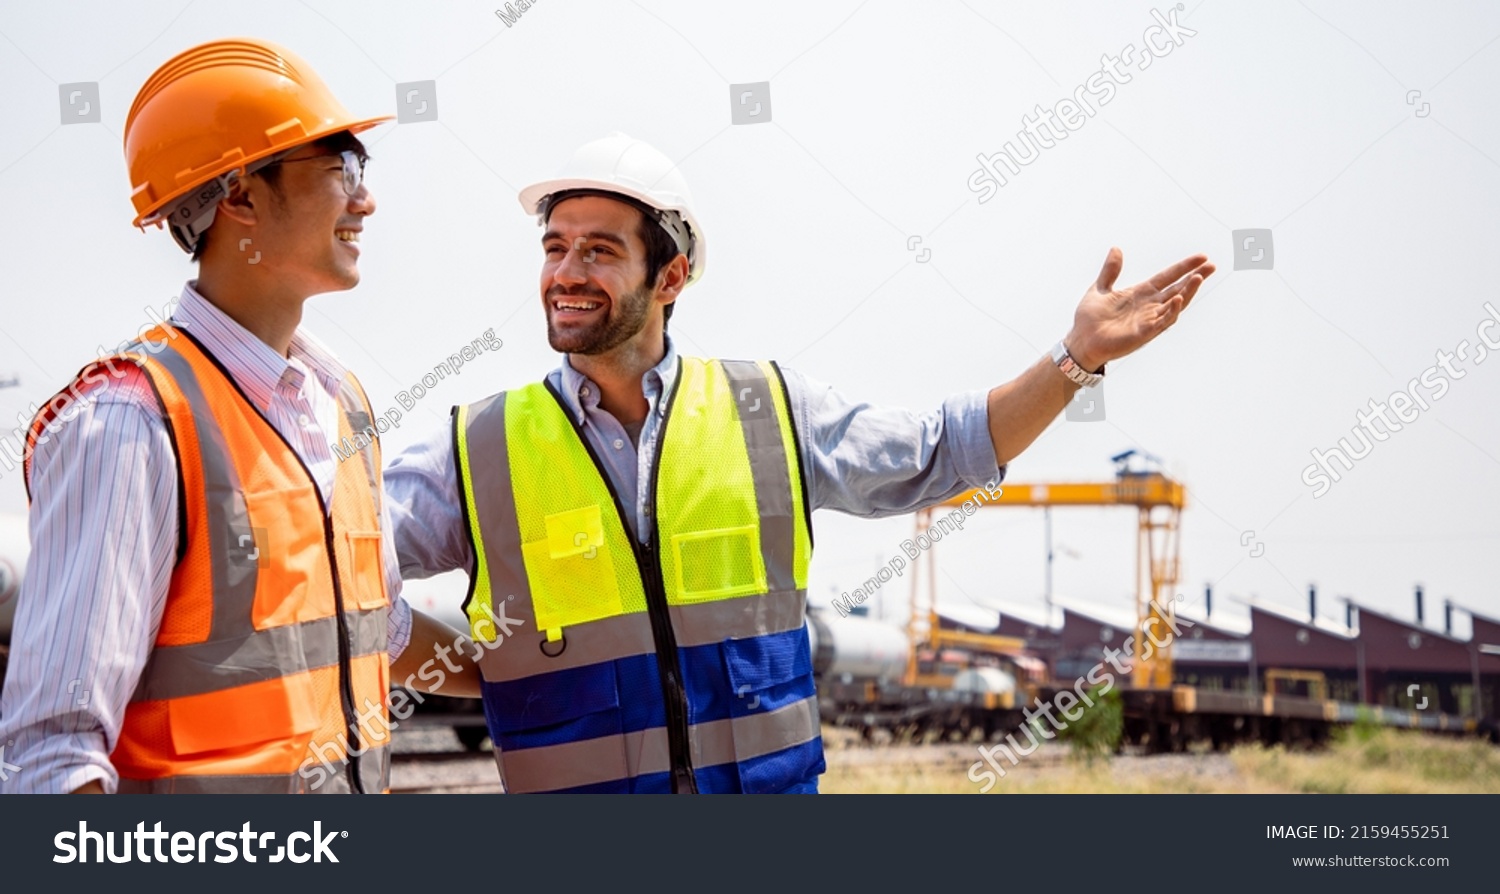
635,169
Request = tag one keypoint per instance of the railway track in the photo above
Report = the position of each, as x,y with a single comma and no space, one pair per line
432,772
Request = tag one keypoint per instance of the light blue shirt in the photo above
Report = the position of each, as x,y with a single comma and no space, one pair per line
857,458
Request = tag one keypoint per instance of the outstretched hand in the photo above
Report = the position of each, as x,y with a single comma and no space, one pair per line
1111,323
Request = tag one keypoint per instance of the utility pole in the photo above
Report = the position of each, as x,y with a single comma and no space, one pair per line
1047,596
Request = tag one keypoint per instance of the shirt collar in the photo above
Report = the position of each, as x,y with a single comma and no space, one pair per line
251,363
582,396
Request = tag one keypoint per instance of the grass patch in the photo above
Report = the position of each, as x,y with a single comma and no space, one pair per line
1362,759
1379,761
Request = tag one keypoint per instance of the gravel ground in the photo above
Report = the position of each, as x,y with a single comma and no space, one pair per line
431,760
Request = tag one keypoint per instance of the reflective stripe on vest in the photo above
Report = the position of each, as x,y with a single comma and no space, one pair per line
374,769
245,688
574,694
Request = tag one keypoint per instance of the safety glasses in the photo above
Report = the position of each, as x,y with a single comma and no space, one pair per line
354,167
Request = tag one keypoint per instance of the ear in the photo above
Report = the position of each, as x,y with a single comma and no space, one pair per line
672,279
241,205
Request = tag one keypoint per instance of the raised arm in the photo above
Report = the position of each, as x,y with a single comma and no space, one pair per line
1108,324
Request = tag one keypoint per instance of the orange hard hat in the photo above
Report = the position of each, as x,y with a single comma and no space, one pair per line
212,112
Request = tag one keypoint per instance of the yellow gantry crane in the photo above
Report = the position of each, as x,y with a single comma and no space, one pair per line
1138,482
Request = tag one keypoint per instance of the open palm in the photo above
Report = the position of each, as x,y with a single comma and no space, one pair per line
1111,323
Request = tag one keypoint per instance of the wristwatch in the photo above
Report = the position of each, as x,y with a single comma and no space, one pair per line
1072,370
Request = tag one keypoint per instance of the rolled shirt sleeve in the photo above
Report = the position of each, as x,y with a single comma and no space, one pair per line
874,461
859,459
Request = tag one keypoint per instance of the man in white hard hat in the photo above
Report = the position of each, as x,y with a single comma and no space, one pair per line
647,515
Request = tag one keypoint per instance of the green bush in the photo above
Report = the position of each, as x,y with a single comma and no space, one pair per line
1364,728
1099,731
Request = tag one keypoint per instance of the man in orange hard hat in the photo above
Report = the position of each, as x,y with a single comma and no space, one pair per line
213,602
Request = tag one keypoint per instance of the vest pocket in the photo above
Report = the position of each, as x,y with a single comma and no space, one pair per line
279,709
571,572
287,558
774,717
717,564
366,569
768,672
559,730
550,700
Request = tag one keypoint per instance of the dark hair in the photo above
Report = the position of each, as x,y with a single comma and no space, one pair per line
661,248
271,174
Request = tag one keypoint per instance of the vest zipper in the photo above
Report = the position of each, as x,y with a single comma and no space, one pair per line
679,749
674,694
346,686
648,565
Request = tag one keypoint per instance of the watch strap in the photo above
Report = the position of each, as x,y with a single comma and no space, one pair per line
1070,368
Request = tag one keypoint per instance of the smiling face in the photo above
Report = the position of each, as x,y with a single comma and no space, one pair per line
594,289
309,231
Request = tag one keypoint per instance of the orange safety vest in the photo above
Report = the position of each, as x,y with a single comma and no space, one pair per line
271,657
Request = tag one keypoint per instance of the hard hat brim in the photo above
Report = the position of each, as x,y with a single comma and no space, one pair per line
165,202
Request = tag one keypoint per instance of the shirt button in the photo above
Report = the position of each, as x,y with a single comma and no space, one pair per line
584,391
619,444
303,420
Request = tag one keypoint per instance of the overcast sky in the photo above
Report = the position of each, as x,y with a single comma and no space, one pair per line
847,240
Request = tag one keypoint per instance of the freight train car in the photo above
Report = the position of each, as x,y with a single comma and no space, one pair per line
870,678
1284,679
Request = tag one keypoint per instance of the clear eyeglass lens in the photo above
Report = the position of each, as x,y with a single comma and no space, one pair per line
354,171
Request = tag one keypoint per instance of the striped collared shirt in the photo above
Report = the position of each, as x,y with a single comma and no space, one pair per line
104,534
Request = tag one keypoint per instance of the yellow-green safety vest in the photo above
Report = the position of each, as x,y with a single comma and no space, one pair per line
675,664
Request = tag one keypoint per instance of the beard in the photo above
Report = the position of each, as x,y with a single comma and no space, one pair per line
624,318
